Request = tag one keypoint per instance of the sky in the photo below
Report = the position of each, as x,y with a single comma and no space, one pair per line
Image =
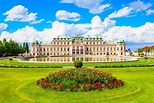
27,20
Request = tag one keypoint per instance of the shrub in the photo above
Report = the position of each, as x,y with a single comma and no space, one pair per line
10,59
145,57
142,54
79,80
78,63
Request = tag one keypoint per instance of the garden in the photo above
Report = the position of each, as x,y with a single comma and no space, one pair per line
109,85
14,63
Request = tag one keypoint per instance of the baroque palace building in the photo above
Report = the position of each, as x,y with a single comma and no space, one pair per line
78,45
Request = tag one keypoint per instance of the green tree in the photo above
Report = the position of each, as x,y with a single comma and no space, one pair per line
27,47
139,50
11,48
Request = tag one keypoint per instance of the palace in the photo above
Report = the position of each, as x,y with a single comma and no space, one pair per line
78,45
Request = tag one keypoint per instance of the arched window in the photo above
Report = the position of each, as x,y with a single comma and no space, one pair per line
121,48
87,49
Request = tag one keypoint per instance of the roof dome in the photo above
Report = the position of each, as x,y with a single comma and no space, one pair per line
36,42
119,41
77,37
61,37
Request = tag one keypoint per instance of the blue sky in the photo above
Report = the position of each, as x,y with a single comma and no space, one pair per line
131,20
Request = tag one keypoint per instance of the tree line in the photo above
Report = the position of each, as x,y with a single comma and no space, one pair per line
12,48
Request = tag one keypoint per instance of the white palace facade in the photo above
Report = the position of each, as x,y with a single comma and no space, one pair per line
78,45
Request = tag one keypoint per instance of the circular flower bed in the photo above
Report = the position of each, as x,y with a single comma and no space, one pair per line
79,80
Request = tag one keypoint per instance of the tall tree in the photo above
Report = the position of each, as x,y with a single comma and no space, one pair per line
27,47
11,48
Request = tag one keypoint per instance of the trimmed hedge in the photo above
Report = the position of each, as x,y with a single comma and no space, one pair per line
78,63
121,66
19,66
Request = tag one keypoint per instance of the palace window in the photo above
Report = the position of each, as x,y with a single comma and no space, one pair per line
121,53
81,51
73,51
121,48
87,48
107,48
77,51
100,48
117,48
94,49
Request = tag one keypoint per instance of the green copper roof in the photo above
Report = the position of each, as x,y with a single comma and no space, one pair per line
77,36
93,37
119,41
109,42
36,42
61,37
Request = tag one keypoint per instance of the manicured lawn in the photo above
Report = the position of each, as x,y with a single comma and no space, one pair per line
17,85
16,62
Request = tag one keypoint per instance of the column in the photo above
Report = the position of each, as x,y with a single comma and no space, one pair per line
79,50
75,49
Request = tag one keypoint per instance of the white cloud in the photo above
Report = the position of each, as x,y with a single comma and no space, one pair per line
3,26
65,15
36,22
106,28
149,12
98,27
67,1
28,34
121,13
140,5
132,8
94,7
49,21
142,34
20,13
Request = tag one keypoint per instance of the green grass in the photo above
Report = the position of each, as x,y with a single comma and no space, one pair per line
17,85
16,62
